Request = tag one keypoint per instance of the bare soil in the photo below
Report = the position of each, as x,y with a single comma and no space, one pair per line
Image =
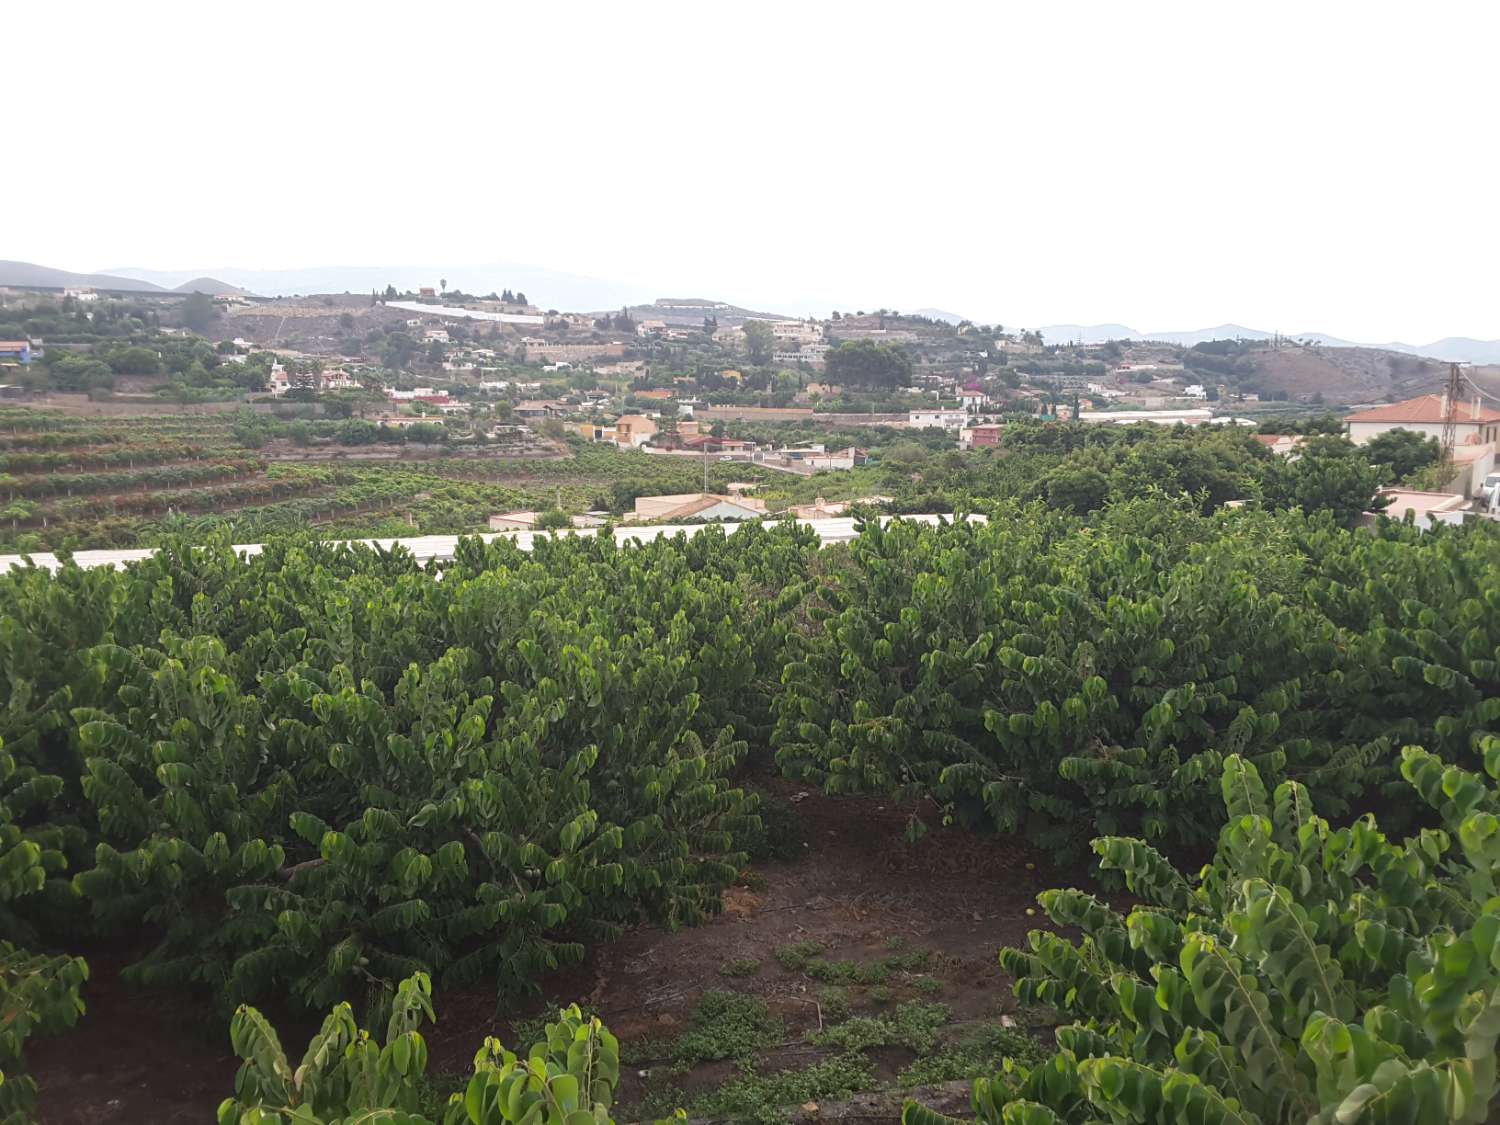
148,1055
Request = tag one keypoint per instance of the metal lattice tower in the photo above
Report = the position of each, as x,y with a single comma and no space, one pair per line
1450,410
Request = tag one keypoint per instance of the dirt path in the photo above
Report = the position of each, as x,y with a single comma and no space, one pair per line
859,892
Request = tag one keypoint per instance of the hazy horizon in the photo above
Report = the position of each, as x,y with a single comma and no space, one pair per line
1286,167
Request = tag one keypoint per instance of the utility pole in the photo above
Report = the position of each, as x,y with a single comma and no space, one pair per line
1450,411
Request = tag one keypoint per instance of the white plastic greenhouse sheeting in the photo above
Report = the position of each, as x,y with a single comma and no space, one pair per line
427,548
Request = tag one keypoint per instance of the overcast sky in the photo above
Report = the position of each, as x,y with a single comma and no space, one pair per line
1302,166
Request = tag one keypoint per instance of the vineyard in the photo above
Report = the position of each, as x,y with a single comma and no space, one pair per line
328,779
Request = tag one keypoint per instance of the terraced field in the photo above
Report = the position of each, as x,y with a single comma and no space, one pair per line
83,483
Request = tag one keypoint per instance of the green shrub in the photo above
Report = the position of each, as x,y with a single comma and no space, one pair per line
727,1025
979,1052
794,958
347,1075
833,1001
1309,973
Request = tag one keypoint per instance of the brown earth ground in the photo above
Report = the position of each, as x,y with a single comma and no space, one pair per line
860,890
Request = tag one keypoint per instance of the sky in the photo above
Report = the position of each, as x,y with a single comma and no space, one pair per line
1298,167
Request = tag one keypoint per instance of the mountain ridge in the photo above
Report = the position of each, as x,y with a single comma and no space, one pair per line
29,275
551,289
1460,349
562,290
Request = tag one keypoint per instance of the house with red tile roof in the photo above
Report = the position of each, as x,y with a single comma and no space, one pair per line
1474,423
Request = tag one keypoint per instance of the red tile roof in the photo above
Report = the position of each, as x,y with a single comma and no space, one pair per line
1424,408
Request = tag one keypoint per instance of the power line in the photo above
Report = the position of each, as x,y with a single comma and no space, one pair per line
1478,390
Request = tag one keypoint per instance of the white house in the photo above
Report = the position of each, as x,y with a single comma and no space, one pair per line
436,334
803,331
938,418
81,294
1195,390
1472,422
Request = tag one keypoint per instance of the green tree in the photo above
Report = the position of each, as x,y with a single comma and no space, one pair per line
553,519
759,341
1403,452
398,350
1081,490
1324,478
135,361
864,363
70,371
198,312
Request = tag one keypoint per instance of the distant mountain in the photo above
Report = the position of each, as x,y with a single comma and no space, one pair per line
1100,333
550,289
211,286
1460,349
689,312
1203,335
1457,349
939,314
27,275
1088,333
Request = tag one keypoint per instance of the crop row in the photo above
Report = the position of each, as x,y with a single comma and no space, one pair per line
166,476
112,457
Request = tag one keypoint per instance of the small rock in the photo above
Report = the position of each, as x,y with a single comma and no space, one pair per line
810,1107
666,1018
1007,1021
643,1074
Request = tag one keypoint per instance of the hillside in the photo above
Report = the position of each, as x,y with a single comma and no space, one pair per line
551,289
1339,374
688,312
1460,349
28,275
211,286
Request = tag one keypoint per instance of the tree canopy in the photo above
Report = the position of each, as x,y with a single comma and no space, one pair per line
864,363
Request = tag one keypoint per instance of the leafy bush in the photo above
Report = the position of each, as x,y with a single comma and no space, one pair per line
1309,973
39,993
323,766
346,1075
1060,679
